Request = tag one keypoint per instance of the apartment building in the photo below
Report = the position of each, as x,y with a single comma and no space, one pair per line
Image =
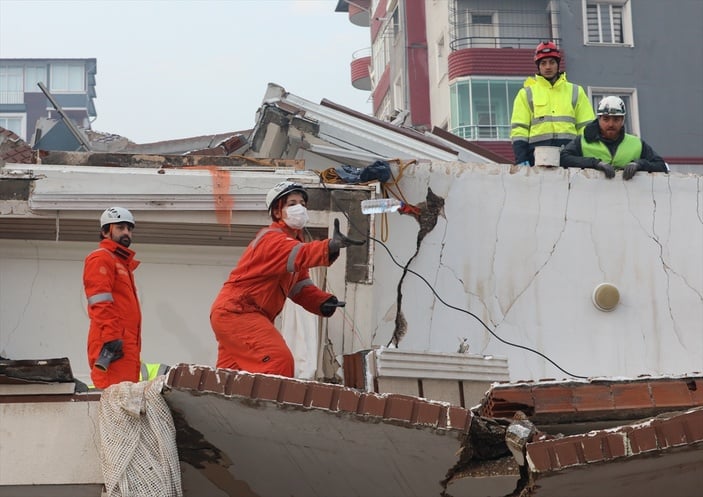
70,81
458,64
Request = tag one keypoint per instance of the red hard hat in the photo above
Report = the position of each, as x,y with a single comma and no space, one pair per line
547,49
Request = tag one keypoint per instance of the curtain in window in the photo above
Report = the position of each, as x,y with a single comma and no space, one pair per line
11,85
67,77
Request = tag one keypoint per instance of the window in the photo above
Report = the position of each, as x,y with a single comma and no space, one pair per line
477,29
11,85
629,96
13,122
608,22
481,108
385,108
67,77
32,76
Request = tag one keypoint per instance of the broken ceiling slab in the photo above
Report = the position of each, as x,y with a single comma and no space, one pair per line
82,187
36,377
341,128
570,402
155,161
659,456
279,437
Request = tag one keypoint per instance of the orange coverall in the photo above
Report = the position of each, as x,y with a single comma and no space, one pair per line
113,309
274,266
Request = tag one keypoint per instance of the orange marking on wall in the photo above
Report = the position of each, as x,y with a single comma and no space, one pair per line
224,202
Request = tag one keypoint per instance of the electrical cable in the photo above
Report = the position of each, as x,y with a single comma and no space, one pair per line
434,292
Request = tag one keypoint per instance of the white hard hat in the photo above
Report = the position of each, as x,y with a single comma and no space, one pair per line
281,190
611,106
114,215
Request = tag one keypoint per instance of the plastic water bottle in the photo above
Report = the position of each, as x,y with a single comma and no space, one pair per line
380,205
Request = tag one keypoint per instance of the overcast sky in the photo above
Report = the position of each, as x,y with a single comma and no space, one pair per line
181,68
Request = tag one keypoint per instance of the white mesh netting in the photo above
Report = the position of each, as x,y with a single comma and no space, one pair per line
138,452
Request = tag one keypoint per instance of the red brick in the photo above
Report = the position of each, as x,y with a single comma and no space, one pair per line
348,401
240,384
540,457
503,402
634,395
592,447
671,432
614,446
187,377
592,397
671,394
213,381
320,395
266,387
643,439
693,422
427,413
458,418
293,392
399,407
695,388
567,451
553,399
372,405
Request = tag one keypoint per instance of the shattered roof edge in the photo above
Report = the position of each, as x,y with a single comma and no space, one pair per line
316,395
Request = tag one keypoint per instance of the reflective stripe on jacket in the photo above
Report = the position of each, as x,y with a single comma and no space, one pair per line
629,150
273,267
542,111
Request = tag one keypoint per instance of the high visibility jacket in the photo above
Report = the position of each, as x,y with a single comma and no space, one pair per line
629,150
546,114
149,371
113,309
275,266
592,148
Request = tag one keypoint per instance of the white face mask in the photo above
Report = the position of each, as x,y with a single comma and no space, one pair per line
296,216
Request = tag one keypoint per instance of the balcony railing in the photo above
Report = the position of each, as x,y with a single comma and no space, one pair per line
487,27
11,97
482,132
497,42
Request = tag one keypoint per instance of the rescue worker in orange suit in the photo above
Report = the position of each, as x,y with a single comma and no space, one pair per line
114,339
272,268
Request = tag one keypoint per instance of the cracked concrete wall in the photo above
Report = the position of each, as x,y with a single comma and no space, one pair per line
523,250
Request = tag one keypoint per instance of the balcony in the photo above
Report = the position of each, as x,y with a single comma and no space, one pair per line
361,69
359,13
497,27
11,97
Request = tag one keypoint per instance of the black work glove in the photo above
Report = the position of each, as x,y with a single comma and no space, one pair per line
606,168
339,240
630,170
110,352
330,305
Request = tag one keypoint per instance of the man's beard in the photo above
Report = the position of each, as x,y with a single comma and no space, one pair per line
125,241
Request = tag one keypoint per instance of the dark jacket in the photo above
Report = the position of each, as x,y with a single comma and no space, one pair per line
572,155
